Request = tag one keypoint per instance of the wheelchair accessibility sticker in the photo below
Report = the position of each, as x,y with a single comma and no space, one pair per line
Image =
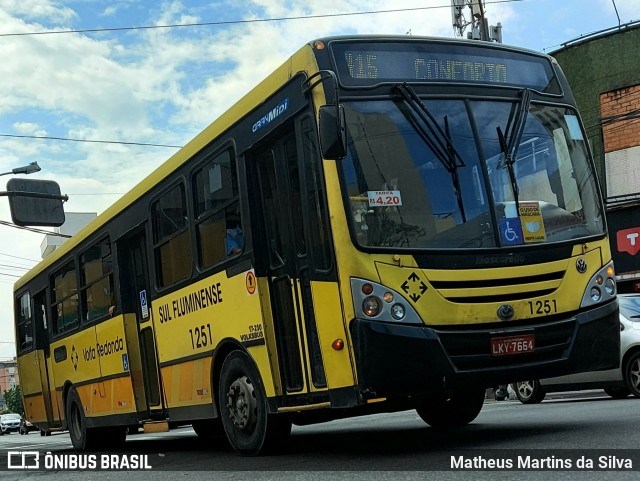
511,231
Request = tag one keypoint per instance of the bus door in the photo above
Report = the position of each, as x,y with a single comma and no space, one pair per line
278,166
51,405
143,358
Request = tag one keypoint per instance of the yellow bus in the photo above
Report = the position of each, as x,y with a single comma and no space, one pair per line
383,223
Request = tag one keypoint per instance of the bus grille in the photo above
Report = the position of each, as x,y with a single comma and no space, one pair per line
499,289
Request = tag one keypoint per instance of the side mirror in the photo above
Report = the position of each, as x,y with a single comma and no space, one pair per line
333,139
35,202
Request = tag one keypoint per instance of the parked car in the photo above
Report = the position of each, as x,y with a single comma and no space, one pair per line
26,427
9,423
617,383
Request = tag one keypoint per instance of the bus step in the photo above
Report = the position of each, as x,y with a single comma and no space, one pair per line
156,427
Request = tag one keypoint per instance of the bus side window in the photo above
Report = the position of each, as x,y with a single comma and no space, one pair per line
98,295
65,299
25,323
215,191
171,237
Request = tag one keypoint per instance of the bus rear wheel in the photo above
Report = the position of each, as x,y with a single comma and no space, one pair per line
84,438
250,429
454,409
208,429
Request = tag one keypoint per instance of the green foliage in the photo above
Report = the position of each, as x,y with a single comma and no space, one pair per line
13,400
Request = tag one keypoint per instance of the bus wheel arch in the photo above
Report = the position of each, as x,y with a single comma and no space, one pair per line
250,428
224,348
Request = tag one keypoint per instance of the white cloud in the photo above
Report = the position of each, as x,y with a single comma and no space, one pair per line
51,11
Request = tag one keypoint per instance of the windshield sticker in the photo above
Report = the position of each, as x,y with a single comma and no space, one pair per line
384,198
531,221
511,231
574,127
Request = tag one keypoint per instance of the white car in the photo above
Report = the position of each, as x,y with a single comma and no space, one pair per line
9,423
617,383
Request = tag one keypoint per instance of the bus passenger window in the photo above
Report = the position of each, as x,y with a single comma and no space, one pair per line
216,206
65,299
98,295
171,237
25,323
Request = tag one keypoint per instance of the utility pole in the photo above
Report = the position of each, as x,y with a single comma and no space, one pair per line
480,28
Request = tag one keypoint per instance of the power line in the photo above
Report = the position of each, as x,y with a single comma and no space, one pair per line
32,229
236,22
68,139
18,257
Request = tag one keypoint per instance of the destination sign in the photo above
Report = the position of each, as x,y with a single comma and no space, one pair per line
366,63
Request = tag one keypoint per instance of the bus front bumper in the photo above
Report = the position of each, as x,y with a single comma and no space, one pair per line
395,360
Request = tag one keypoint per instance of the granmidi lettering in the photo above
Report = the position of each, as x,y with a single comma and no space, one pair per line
271,115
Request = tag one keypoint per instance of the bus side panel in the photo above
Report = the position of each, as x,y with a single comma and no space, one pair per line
188,383
338,364
114,394
191,321
74,359
32,386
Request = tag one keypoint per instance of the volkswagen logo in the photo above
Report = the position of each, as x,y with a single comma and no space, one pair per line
581,265
505,312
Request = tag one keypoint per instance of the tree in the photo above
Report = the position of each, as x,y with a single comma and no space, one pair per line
13,400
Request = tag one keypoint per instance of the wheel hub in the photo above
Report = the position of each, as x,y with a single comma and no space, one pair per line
241,402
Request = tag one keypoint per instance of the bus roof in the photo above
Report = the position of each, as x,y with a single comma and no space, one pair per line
302,60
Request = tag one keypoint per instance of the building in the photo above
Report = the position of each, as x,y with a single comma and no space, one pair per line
8,378
603,70
74,221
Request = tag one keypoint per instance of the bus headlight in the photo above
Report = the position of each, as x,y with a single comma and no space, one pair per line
371,306
601,287
610,286
397,311
378,303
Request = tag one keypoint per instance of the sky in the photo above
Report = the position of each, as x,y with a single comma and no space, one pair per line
75,69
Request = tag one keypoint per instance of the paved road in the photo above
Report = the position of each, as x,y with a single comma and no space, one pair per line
393,446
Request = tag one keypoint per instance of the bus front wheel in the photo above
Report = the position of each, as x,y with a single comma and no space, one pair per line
250,429
454,409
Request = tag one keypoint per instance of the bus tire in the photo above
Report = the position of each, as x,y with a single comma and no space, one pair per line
208,428
81,437
90,439
249,427
455,409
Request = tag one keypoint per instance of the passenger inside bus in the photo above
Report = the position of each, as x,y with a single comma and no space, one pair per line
235,238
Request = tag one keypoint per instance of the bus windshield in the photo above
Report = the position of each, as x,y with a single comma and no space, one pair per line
438,176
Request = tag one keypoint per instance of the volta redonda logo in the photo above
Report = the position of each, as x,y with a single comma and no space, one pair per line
628,240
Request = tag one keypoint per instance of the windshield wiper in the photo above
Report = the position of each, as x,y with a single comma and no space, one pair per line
436,138
510,149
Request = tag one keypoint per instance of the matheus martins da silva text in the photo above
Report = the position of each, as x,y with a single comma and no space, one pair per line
546,462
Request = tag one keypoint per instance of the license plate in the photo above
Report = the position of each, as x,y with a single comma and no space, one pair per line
508,345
